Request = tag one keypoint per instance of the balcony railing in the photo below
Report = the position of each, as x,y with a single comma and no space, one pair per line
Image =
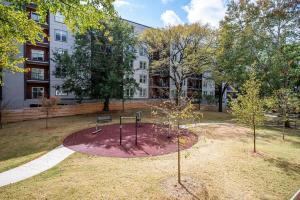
37,61
37,77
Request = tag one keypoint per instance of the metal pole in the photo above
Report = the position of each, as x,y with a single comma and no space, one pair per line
120,130
136,119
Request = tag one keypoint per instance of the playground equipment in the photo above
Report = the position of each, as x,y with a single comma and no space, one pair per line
138,119
101,119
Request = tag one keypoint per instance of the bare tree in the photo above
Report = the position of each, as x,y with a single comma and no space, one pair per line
48,104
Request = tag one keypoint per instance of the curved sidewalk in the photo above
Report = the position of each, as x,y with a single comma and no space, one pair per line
36,166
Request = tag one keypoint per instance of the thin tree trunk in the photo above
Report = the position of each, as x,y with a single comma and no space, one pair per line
47,115
1,125
106,104
178,155
254,139
283,130
123,104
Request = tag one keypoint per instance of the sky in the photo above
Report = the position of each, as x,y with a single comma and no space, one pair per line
160,13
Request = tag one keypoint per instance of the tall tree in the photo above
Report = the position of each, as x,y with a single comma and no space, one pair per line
248,109
101,66
181,51
16,28
265,34
75,69
112,56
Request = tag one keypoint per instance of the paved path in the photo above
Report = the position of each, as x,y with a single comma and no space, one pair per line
36,166
205,124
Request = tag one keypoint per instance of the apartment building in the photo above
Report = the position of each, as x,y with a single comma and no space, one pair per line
25,89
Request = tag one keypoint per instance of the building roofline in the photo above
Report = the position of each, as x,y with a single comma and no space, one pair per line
137,23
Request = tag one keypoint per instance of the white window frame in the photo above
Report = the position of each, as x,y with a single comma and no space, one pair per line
142,51
143,78
58,17
36,52
39,72
60,51
60,32
143,92
43,92
129,92
143,65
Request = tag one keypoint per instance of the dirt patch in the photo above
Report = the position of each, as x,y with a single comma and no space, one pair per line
190,188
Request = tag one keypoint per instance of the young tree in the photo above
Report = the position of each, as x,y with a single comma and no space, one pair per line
176,115
181,51
248,109
16,28
48,105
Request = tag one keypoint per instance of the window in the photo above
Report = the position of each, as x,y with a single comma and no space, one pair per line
34,16
61,51
205,92
143,92
129,92
143,65
60,92
205,84
142,51
143,78
59,18
60,35
37,74
37,55
37,92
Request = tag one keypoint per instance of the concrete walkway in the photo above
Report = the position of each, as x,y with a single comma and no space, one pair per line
36,166
205,124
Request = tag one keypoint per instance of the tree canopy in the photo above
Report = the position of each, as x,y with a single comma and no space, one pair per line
180,51
16,28
101,65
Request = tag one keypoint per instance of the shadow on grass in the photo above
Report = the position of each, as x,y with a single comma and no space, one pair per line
204,194
288,167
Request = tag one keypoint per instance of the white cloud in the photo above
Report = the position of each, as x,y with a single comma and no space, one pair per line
121,3
170,18
166,1
205,11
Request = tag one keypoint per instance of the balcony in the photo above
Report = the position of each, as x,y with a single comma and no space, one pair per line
35,61
44,43
156,84
33,77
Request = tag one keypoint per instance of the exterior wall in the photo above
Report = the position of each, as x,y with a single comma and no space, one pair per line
16,91
138,29
13,89
54,46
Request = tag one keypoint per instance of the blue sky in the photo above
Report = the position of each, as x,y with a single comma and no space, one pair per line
159,13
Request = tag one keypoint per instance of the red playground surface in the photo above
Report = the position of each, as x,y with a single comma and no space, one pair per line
152,140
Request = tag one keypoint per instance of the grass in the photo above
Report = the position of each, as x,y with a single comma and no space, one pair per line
222,161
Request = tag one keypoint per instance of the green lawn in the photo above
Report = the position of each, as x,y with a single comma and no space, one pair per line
221,162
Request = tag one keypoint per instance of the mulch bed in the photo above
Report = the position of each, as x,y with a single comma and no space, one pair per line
152,140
